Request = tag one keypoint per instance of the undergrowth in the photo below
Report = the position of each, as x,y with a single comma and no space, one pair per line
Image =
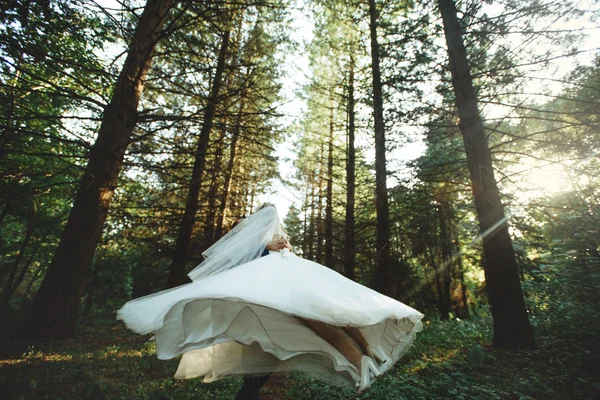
450,359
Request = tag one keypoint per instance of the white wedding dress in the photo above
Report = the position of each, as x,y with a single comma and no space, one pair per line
243,321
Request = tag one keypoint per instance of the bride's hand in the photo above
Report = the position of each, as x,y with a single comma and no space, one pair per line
278,244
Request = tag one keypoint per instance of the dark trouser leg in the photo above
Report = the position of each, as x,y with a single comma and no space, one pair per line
251,388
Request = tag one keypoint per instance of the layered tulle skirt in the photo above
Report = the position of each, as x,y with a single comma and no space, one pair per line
248,321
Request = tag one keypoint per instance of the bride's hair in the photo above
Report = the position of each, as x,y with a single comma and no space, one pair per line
237,221
264,205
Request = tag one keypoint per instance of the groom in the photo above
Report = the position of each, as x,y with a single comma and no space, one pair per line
251,388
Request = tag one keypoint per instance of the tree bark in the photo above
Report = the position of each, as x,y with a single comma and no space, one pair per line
305,224
511,324
311,229
8,131
329,195
320,230
214,216
177,271
89,301
237,126
34,278
56,306
25,268
209,223
349,249
4,213
442,304
446,248
462,310
229,170
9,284
383,276
251,195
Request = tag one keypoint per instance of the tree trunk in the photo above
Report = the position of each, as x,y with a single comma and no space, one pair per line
320,230
177,271
34,278
311,229
251,195
55,309
442,304
209,223
402,274
349,249
215,216
235,134
329,196
9,284
25,268
438,273
229,171
462,310
383,276
305,224
8,131
89,301
511,324
4,213
446,247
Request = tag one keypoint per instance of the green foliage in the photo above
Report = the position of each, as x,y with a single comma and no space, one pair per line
449,360
58,64
53,87
49,74
453,359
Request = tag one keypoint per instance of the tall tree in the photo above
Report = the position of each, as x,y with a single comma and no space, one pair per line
383,272
177,272
329,193
228,171
10,286
511,323
350,176
56,307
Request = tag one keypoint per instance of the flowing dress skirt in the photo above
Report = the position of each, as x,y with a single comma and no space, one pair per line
244,321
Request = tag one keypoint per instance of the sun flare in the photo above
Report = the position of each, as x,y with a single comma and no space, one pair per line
541,178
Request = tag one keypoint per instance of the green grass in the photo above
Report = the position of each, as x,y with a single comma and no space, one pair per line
450,359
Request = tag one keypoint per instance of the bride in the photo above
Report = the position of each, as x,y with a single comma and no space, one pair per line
247,315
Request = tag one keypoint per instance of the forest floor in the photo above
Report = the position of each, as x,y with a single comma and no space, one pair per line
450,359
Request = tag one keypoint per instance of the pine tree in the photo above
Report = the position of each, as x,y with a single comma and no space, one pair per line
511,323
